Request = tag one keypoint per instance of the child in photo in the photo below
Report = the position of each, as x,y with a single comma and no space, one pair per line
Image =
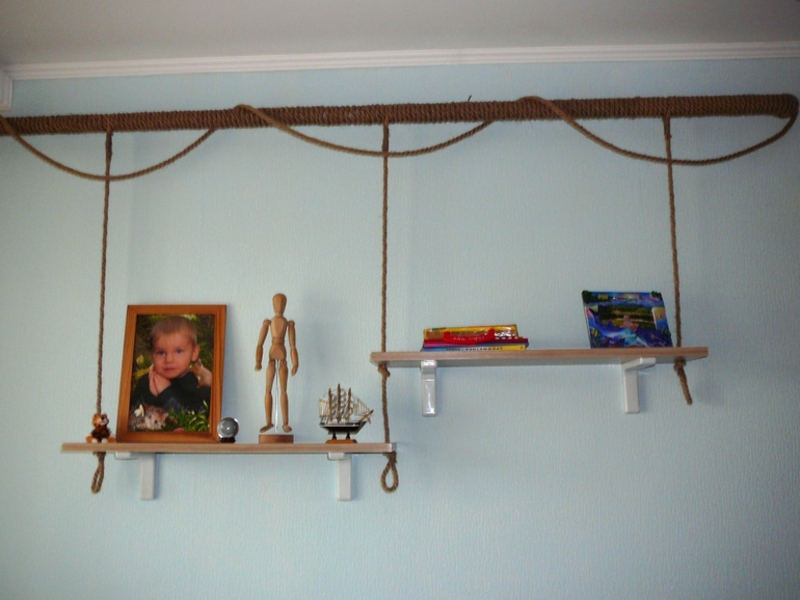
170,383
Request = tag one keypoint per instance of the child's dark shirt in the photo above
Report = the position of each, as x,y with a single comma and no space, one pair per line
181,395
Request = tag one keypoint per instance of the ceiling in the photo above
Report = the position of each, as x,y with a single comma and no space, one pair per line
39,32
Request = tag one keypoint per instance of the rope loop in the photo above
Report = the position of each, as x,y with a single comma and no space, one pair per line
97,480
391,466
383,153
107,177
569,120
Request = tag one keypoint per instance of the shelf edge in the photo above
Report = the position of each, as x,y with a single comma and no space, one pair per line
238,449
537,357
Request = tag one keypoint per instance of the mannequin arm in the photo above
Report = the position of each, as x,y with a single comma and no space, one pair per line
262,337
295,357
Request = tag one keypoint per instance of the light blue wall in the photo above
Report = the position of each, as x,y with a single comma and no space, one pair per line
531,482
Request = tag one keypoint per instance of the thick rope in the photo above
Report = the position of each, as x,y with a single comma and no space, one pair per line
318,116
360,151
97,480
680,363
391,464
657,159
103,261
107,177
780,106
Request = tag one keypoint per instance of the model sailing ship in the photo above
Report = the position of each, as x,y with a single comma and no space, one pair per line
343,414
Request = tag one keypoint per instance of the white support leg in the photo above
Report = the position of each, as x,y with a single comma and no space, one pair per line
6,91
147,472
630,382
345,474
428,372
147,475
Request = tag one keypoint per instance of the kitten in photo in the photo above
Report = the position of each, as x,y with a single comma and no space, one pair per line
148,418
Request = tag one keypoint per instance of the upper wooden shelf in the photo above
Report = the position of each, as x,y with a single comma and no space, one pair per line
543,357
630,361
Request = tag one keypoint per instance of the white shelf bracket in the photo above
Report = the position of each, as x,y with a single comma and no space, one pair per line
428,373
148,463
147,472
630,382
345,474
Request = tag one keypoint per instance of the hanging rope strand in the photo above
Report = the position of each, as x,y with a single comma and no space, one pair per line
103,259
391,464
97,479
385,234
680,363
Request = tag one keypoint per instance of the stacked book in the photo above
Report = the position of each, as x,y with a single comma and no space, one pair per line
476,337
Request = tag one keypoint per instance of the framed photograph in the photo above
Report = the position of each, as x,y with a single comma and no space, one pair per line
626,319
171,384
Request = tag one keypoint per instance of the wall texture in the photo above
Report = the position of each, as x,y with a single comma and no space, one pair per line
531,482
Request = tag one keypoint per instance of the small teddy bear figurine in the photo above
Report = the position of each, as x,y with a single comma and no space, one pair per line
100,433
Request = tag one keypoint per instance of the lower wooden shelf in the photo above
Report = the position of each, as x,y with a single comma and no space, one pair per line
630,361
147,454
217,448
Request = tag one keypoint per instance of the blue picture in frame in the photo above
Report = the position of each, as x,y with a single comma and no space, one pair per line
626,319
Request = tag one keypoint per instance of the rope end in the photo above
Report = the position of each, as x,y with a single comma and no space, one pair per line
679,369
97,480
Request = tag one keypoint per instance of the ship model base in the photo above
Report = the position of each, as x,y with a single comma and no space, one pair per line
344,429
276,438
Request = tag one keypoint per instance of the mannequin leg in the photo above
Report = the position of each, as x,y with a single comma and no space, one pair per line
268,397
284,380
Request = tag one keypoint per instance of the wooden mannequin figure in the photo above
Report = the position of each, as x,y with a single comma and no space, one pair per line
278,326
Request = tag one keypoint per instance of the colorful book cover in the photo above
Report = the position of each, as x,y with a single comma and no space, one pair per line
445,343
472,331
626,319
478,348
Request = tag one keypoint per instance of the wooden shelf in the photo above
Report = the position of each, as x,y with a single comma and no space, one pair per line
217,448
630,361
546,357
147,454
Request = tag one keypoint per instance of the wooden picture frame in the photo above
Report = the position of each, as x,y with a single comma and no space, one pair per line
171,382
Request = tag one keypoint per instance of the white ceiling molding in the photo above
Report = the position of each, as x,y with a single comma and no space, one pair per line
6,90
410,58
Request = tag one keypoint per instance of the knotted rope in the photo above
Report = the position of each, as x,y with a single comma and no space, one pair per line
680,362
391,464
97,480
